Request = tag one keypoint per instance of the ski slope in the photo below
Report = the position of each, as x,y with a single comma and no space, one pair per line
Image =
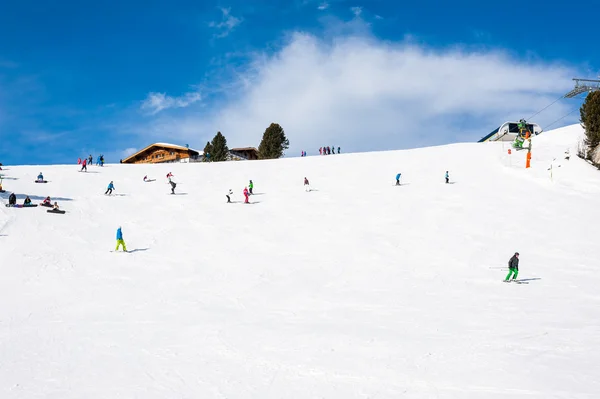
357,289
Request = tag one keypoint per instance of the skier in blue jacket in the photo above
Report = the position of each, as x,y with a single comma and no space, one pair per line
120,240
447,177
398,179
110,188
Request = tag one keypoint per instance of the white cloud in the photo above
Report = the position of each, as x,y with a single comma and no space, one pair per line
323,6
356,11
156,102
226,25
127,152
365,94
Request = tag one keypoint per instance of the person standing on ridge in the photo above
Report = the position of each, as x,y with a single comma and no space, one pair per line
250,187
173,185
320,150
120,241
84,165
447,177
90,160
246,195
339,150
398,178
110,188
513,267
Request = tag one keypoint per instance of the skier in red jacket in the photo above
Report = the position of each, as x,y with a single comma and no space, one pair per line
246,194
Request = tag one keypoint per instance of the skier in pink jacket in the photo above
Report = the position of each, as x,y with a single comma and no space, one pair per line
246,194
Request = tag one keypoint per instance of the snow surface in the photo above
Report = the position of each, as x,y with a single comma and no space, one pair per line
357,289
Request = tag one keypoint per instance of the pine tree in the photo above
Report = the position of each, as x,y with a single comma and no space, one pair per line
590,120
208,149
273,143
220,151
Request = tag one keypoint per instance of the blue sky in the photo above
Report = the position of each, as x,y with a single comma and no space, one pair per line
110,77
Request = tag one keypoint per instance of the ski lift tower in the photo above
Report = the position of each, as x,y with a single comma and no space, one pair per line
583,86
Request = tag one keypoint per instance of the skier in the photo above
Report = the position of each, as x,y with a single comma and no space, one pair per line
90,160
306,185
84,165
333,149
328,150
513,267
229,196
250,187
246,195
339,149
398,178
101,160
40,177
110,188
447,177
120,240
173,185
12,199
78,161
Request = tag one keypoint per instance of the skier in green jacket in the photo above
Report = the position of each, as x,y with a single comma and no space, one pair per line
250,187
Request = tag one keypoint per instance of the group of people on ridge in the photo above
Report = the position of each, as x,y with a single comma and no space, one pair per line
329,150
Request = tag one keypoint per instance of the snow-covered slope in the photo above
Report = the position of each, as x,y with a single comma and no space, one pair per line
357,289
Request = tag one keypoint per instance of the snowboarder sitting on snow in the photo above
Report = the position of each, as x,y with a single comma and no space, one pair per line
447,177
12,199
513,267
250,187
120,240
110,188
229,196
169,175
27,201
40,177
47,201
145,178
55,207
398,178
173,185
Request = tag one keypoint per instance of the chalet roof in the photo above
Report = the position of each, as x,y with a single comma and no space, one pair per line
163,145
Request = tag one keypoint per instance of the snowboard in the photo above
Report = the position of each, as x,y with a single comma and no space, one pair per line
41,181
149,181
46,205
56,211
515,281
22,206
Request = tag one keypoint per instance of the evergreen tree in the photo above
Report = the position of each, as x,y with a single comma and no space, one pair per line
208,150
590,120
273,143
220,151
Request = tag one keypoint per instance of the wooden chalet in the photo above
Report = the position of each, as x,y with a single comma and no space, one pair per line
248,153
163,153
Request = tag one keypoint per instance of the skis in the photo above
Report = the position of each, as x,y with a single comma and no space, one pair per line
515,281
